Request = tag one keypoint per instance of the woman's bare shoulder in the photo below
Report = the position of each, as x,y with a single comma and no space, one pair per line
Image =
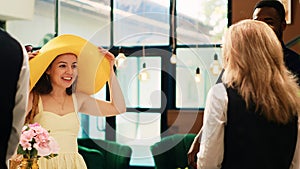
81,96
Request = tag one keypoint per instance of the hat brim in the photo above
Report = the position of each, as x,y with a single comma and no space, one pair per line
93,67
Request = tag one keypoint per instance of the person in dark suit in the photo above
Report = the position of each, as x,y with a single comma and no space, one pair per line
272,12
14,94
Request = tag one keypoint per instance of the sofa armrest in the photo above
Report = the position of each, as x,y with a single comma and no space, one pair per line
93,158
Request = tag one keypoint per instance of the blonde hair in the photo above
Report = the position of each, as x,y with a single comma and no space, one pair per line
253,62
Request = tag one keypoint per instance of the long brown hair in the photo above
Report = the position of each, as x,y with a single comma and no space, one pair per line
35,110
253,62
43,86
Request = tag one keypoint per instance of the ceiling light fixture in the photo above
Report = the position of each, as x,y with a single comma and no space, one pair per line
198,75
120,59
173,58
143,74
215,67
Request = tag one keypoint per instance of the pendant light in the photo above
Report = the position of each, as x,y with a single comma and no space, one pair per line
197,75
215,67
120,59
173,58
143,74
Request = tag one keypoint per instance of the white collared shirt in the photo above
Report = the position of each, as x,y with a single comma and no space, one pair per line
210,155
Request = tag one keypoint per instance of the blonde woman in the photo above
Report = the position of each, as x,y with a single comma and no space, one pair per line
251,119
272,13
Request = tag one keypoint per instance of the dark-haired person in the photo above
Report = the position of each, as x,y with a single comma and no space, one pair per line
272,12
13,96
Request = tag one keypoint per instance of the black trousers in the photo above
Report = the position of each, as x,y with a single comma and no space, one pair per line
11,59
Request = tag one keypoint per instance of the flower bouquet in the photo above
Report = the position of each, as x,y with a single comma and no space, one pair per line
35,142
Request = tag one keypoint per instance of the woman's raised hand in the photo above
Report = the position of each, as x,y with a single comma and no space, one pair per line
108,55
30,52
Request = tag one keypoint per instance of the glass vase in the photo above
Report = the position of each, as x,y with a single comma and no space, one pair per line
29,163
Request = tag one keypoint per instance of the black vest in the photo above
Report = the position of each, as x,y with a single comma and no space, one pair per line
252,142
11,59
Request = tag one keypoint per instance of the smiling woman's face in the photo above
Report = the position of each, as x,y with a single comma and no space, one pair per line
63,71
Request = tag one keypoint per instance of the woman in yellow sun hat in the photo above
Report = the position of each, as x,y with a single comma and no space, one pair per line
63,76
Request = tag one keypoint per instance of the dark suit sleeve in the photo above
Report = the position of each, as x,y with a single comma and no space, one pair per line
292,62
11,62
220,77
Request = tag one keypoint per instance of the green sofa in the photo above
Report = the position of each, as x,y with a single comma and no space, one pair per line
92,157
104,154
171,151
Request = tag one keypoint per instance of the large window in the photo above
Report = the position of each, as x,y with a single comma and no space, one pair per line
88,19
140,79
140,91
200,25
141,22
201,21
192,86
139,131
148,32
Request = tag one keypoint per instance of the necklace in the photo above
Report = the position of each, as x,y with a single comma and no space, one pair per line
59,103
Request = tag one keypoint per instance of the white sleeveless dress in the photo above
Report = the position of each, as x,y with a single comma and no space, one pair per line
64,129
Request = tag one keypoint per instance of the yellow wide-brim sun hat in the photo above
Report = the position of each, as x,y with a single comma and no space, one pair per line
93,66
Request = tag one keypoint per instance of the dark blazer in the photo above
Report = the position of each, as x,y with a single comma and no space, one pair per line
11,59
